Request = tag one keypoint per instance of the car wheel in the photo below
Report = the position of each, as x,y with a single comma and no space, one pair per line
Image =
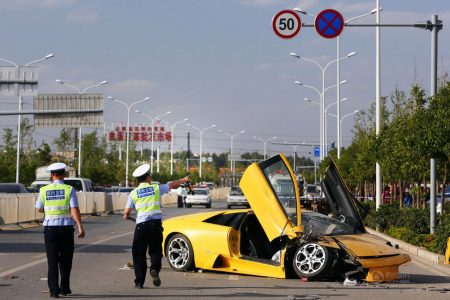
188,205
179,253
229,206
208,205
312,261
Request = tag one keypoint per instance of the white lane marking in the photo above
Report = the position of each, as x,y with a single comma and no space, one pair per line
31,264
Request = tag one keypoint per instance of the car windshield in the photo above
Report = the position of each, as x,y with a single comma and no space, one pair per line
278,175
312,189
200,192
76,184
323,225
235,191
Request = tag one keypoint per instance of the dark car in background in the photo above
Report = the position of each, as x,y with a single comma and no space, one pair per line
13,188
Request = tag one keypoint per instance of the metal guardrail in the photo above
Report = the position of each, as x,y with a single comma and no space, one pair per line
19,208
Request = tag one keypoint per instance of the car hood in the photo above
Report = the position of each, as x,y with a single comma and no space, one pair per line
362,245
341,201
266,198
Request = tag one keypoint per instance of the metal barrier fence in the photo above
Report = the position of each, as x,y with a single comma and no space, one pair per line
19,208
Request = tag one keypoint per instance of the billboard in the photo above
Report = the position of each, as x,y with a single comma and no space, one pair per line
75,102
25,77
140,134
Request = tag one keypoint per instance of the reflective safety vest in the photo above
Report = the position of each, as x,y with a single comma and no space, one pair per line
146,199
56,200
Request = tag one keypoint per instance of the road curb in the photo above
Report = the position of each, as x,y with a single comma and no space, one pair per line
417,254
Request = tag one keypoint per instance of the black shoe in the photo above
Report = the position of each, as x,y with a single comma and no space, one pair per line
155,277
139,286
54,295
66,292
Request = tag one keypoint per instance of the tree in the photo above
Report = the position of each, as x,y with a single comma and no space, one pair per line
7,156
66,139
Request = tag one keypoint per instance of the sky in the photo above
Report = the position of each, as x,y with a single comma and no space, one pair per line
218,62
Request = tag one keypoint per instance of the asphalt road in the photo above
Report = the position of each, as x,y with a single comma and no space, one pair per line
100,272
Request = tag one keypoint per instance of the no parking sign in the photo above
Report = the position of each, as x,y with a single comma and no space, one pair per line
329,23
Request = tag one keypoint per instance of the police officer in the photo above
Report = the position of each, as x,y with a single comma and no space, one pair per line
146,200
59,202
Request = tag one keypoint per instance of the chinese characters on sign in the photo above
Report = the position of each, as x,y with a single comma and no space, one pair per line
140,134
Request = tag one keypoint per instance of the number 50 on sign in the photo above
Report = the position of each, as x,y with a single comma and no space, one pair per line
286,24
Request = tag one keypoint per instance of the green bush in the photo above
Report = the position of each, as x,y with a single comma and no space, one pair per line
387,216
442,233
416,219
405,234
400,233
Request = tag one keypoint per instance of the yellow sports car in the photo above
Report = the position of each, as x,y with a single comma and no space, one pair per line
276,239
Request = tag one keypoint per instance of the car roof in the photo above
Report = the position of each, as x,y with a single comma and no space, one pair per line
13,188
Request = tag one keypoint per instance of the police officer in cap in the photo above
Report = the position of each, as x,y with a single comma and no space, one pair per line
59,203
146,200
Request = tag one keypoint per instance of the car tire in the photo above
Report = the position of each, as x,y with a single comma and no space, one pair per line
208,205
312,261
229,206
180,254
188,205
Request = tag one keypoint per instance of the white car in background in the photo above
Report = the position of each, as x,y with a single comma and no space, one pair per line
236,198
199,196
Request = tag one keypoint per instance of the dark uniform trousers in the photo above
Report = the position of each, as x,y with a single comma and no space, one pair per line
59,245
147,237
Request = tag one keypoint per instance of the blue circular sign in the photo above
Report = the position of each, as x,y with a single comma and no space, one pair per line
329,23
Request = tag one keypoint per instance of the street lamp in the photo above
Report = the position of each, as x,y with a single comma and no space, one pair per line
153,131
342,119
322,100
322,103
265,143
232,162
326,120
128,106
295,156
19,117
81,92
338,94
171,142
201,142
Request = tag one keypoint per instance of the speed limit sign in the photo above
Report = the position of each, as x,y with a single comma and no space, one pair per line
286,24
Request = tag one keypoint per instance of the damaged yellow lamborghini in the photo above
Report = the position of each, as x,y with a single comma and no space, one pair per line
275,238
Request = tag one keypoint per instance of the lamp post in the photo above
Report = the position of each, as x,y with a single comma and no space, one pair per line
342,119
338,73
322,100
322,103
326,121
81,92
171,142
19,117
201,143
153,129
326,114
265,143
295,156
232,162
128,106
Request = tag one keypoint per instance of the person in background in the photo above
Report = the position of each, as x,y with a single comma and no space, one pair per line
386,195
407,198
146,200
59,203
